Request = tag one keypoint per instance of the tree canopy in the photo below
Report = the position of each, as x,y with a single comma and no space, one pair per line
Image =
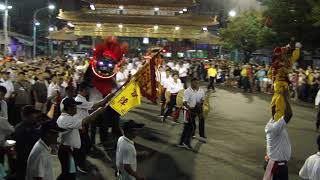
295,18
247,33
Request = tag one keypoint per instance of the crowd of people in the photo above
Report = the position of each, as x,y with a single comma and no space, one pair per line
35,92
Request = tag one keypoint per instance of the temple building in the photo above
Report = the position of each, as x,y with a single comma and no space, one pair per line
170,19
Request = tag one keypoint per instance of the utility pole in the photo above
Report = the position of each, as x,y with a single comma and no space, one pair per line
5,29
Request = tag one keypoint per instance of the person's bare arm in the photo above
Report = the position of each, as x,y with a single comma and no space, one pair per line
288,110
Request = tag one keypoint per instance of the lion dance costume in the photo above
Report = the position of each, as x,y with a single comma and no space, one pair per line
278,73
106,61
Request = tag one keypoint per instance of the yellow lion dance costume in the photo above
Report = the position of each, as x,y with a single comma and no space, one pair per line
278,73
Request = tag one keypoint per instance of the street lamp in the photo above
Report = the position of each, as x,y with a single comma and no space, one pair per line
232,13
5,7
35,24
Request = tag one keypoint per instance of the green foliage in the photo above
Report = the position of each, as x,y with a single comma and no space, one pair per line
315,12
247,33
298,18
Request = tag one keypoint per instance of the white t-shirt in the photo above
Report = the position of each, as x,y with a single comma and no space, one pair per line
192,97
126,154
175,87
311,168
121,78
171,65
72,124
52,88
5,127
39,162
95,95
183,72
9,86
82,109
165,82
278,143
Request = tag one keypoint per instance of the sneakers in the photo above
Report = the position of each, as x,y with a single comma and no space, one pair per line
180,145
188,146
81,170
183,145
202,139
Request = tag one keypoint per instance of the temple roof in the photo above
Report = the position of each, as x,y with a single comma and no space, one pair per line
182,20
159,3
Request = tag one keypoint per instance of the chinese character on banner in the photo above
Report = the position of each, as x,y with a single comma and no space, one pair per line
129,97
146,79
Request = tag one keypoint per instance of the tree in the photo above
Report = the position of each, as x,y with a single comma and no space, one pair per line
247,33
294,18
315,13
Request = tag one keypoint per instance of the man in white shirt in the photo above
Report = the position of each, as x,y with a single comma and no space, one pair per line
183,73
174,87
70,139
278,143
39,162
7,83
311,168
126,155
170,64
121,77
165,80
193,102
83,112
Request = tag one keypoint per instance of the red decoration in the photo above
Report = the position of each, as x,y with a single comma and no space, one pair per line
113,51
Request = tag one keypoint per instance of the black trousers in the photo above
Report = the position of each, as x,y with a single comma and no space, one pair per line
102,130
184,82
81,154
64,154
17,114
211,83
198,113
281,173
318,119
245,83
188,130
170,106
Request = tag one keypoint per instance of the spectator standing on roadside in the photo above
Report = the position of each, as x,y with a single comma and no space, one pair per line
212,75
126,154
39,91
311,168
39,166
22,94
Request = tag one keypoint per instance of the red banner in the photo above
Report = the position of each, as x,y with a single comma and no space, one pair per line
146,79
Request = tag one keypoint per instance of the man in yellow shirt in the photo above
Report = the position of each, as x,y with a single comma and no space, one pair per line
212,75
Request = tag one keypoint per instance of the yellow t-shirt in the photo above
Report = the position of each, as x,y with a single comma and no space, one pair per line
310,79
212,72
244,72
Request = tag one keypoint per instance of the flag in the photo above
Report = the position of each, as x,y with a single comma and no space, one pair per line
146,79
128,98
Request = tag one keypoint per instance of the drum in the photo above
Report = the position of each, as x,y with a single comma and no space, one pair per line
206,105
179,100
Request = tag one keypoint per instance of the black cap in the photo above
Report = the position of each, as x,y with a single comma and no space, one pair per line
50,126
29,109
70,102
131,125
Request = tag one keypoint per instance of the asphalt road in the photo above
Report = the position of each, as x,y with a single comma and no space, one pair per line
235,148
